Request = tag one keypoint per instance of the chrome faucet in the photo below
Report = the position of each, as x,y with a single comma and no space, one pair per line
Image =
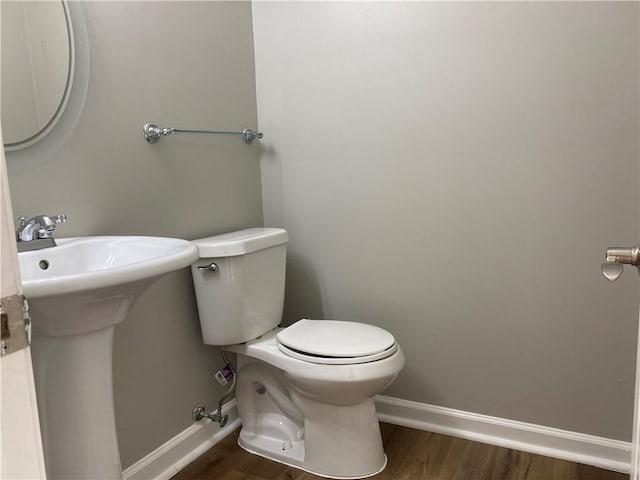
37,232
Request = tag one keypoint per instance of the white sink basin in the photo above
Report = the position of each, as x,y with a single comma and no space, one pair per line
85,263
78,292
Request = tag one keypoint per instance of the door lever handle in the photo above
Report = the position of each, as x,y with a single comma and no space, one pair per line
617,258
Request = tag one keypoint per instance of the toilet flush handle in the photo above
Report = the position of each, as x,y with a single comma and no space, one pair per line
212,267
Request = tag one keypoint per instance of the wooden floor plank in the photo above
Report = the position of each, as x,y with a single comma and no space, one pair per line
412,455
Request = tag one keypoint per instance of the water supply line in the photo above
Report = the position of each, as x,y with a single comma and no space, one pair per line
199,411
229,391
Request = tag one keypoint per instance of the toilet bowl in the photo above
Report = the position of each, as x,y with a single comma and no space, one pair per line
304,392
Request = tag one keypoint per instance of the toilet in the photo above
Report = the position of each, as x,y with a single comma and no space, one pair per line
304,392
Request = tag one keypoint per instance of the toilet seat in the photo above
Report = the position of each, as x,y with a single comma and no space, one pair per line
336,360
333,342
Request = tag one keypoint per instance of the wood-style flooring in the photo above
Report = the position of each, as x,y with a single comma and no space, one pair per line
412,455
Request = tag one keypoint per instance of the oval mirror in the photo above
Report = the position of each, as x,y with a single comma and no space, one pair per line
38,59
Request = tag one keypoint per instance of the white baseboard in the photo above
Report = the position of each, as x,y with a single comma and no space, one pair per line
551,442
174,455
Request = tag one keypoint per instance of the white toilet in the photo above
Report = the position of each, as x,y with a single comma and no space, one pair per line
305,392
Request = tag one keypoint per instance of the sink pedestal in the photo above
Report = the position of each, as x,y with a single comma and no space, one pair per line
75,401
72,351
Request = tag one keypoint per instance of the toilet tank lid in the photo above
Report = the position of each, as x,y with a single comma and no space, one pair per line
240,242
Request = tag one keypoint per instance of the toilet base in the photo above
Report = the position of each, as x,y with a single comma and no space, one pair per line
271,449
311,423
341,442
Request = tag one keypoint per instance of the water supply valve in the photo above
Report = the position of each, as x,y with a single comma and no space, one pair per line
200,411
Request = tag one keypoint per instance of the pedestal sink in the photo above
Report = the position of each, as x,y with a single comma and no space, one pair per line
78,292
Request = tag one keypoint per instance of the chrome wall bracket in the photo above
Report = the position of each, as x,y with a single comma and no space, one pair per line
15,324
153,132
249,136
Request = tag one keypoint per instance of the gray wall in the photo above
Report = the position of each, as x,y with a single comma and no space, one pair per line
182,64
453,172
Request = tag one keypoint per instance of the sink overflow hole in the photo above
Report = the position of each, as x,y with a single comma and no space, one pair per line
43,264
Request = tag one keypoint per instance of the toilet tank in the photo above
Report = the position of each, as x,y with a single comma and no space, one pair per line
244,298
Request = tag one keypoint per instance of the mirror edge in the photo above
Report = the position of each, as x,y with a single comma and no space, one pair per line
45,145
57,115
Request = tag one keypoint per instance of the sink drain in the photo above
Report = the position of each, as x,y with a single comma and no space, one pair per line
43,264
